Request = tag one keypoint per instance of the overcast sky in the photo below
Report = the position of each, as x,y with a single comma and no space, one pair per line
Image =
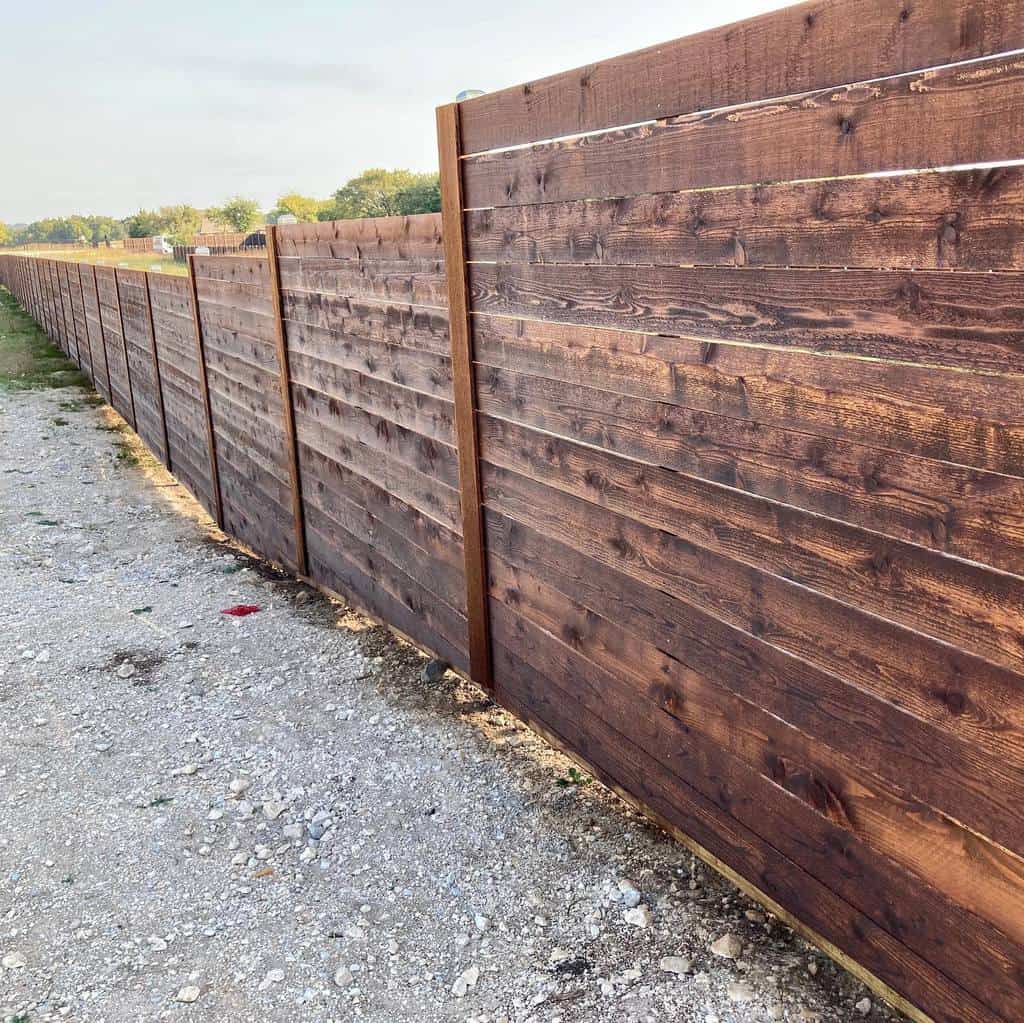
109,107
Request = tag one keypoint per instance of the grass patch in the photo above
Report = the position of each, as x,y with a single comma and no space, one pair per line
125,455
28,360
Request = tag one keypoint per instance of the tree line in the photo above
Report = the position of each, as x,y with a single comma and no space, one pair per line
374,193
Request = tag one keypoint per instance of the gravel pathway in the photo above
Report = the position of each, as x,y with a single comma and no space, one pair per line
275,818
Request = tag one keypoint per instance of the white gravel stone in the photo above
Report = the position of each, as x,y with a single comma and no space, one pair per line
465,981
675,964
728,946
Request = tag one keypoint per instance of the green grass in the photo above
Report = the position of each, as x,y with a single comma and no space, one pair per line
117,257
28,361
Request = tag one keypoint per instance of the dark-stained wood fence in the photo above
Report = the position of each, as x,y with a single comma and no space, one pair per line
366,322
705,455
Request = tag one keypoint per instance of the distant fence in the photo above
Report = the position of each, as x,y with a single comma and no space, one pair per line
138,244
700,450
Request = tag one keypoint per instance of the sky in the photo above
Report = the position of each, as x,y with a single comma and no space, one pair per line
111,107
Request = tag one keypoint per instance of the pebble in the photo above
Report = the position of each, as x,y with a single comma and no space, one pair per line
863,1006
14,961
343,977
125,669
434,670
293,831
238,786
676,964
639,916
188,994
272,810
728,946
739,991
465,981
629,893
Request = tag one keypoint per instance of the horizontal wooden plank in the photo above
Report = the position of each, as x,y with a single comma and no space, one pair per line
808,802
954,601
239,269
414,368
964,220
535,697
321,458
414,410
412,237
438,577
333,419
410,326
959,770
431,621
939,681
234,296
962,511
334,480
963,114
964,320
419,284
797,49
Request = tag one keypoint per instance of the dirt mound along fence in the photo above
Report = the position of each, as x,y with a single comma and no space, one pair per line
705,456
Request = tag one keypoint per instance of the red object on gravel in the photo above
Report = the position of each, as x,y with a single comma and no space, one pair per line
241,610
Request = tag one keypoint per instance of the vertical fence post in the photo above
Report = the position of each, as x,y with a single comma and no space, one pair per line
156,372
205,391
124,347
281,342
464,387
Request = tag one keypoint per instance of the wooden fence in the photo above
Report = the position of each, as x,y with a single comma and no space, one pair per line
705,456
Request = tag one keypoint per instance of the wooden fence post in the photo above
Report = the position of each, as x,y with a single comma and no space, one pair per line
205,391
156,372
124,346
281,342
464,388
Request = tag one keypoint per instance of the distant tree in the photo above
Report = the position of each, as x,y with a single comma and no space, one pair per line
143,224
303,208
180,223
104,229
423,197
383,193
241,214
6,235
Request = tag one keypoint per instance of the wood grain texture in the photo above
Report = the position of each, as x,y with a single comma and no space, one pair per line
960,115
806,802
798,49
236,312
964,220
859,450
91,300
176,348
137,326
464,390
963,320
365,240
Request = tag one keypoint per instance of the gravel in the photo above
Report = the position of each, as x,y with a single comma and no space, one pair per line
291,816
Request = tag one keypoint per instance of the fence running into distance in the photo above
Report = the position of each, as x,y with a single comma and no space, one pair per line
705,455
